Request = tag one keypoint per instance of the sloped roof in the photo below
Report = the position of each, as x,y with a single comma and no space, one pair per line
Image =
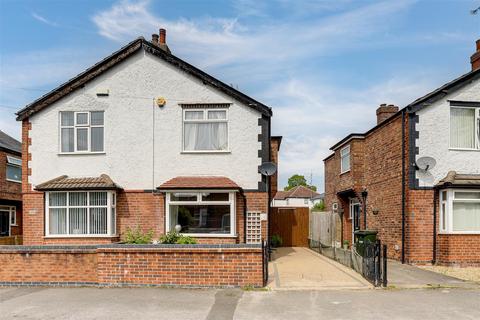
8,143
418,104
103,182
296,192
454,179
199,182
124,53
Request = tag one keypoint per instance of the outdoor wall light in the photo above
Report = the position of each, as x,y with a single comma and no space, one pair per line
375,212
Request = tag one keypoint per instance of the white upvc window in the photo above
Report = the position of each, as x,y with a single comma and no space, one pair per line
205,130
465,128
201,213
82,132
345,159
11,211
14,169
355,208
80,213
460,211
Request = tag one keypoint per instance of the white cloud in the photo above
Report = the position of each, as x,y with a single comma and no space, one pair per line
44,20
311,113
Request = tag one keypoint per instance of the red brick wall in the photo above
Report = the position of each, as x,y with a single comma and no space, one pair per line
237,266
48,266
8,190
458,249
187,267
274,149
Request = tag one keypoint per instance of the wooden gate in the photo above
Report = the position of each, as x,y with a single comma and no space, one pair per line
291,224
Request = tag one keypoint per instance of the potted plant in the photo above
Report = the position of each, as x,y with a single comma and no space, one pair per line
276,241
346,243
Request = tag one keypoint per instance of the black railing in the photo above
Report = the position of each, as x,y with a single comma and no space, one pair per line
265,259
374,263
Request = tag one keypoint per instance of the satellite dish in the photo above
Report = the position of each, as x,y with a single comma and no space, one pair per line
267,168
425,163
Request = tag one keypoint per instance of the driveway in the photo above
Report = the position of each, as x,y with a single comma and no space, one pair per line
296,268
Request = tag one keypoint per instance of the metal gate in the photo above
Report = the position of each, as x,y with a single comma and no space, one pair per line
374,263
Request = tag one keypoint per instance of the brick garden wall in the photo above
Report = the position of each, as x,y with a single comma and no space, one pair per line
119,265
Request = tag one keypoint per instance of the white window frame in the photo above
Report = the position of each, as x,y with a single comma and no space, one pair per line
448,215
342,155
353,202
110,195
14,162
231,201
477,128
204,120
75,127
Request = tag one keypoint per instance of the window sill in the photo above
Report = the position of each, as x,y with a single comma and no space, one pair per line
206,151
80,153
16,181
63,236
14,225
209,235
463,149
342,173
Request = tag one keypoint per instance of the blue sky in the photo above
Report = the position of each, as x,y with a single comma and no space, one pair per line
324,66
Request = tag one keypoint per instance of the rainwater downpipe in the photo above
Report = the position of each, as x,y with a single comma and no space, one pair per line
403,186
435,200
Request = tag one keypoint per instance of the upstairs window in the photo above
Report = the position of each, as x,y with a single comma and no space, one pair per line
465,128
81,131
345,159
205,130
14,169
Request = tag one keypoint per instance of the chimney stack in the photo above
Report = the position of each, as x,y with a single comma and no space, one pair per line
385,111
155,39
163,36
475,58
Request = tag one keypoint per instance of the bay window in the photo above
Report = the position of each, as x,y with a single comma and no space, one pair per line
465,127
205,130
205,213
81,131
460,211
80,213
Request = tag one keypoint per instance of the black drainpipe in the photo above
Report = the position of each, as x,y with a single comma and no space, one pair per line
244,216
435,198
403,187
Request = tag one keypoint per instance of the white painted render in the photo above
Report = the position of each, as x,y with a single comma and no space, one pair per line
128,157
295,202
434,138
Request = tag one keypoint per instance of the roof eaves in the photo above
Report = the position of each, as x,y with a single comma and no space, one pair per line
347,139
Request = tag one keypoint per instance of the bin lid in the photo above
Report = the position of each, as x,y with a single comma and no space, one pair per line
365,232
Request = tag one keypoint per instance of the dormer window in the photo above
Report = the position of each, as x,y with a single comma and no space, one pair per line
345,159
205,130
81,132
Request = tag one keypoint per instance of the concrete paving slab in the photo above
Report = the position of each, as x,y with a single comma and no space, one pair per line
408,276
296,268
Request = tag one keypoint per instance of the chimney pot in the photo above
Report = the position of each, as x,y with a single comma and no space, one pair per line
475,58
385,111
155,38
163,36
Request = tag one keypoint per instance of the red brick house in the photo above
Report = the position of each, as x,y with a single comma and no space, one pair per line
144,139
424,214
10,186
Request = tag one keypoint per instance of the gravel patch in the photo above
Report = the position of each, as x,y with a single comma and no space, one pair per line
465,273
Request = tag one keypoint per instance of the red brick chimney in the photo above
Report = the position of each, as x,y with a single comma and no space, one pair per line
160,40
163,36
475,58
385,111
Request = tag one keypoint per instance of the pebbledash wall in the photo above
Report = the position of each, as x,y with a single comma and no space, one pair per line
129,265
129,148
